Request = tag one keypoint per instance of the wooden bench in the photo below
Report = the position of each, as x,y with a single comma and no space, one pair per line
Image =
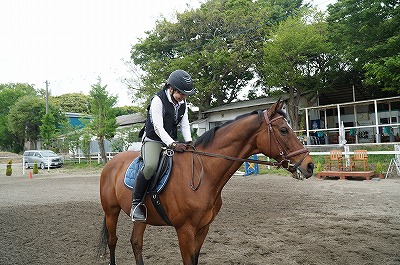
359,157
343,174
335,158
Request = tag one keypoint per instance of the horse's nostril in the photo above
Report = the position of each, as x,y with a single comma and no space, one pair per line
310,167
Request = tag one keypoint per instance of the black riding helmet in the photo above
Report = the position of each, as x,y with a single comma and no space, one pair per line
181,81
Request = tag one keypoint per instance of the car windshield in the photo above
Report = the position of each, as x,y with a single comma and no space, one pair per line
48,153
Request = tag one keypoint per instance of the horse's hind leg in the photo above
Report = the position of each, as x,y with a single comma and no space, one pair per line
137,241
111,223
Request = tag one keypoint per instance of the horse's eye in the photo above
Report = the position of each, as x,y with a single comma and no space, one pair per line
284,130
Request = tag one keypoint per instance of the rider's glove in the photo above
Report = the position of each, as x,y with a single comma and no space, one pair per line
178,147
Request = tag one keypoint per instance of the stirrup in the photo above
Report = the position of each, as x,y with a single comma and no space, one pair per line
144,210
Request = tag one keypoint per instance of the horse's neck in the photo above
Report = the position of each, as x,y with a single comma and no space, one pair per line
235,140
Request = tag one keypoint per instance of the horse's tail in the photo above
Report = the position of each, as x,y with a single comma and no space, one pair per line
103,240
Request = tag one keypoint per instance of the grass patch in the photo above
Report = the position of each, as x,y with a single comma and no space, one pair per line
372,161
84,164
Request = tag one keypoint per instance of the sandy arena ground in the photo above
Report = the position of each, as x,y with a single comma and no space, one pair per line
55,218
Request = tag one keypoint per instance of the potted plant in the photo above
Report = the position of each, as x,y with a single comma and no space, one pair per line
35,168
9,168
379,170
318,168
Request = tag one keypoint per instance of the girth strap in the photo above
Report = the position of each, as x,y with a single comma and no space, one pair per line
155,199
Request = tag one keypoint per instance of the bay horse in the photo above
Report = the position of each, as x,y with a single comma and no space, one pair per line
192,197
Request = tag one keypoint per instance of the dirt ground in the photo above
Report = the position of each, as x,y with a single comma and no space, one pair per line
55,218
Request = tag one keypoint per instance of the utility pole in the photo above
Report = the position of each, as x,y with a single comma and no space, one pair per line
47,96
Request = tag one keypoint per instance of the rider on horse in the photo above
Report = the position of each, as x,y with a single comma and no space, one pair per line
167,110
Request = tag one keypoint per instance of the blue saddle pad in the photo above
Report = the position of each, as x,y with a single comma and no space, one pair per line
133,169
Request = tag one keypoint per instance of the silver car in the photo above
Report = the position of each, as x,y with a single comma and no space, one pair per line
43,158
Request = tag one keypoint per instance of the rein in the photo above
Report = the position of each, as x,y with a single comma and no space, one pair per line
285,161
200,153
269,163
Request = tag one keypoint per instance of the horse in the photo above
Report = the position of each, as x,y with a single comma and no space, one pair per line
192,197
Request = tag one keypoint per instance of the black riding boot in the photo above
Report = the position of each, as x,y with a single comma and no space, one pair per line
138,193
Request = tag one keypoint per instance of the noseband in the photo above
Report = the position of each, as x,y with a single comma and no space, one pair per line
285,157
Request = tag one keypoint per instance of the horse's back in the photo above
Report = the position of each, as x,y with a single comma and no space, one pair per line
112,185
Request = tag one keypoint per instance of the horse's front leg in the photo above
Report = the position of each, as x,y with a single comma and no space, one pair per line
137,241
200,237
190,243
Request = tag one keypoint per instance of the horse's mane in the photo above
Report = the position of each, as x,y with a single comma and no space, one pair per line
281,112
208,137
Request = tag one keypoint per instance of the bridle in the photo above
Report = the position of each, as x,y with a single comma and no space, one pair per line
285,157
284,161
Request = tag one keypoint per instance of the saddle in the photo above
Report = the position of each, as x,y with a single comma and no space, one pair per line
159,179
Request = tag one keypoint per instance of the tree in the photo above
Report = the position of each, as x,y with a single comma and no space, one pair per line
84,142
125,137
128,110
25,119
72,136
104,123
48,130
9,94
218,44
297,57
73,102
367,34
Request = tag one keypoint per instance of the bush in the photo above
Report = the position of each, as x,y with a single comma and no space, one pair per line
379,168
35,168
9,168
318,168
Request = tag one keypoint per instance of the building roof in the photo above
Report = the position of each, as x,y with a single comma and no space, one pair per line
352,93
130,119
243,104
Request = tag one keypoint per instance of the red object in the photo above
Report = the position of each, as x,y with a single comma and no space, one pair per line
30,174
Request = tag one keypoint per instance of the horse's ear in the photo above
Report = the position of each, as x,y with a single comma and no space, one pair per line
276,106
279,103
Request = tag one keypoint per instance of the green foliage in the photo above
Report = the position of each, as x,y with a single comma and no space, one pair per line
73,102
125,137
367,35
219,44
9,94
224,44
296,58
318,168
48,130
25,118
9,168
71,136
35,168
273,170
71,164
379,168
85,143
104,124
119,111
384,71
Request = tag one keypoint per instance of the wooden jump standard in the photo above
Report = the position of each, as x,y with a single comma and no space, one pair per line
343,174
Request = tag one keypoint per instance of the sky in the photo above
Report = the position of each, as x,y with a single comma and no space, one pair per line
71,43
